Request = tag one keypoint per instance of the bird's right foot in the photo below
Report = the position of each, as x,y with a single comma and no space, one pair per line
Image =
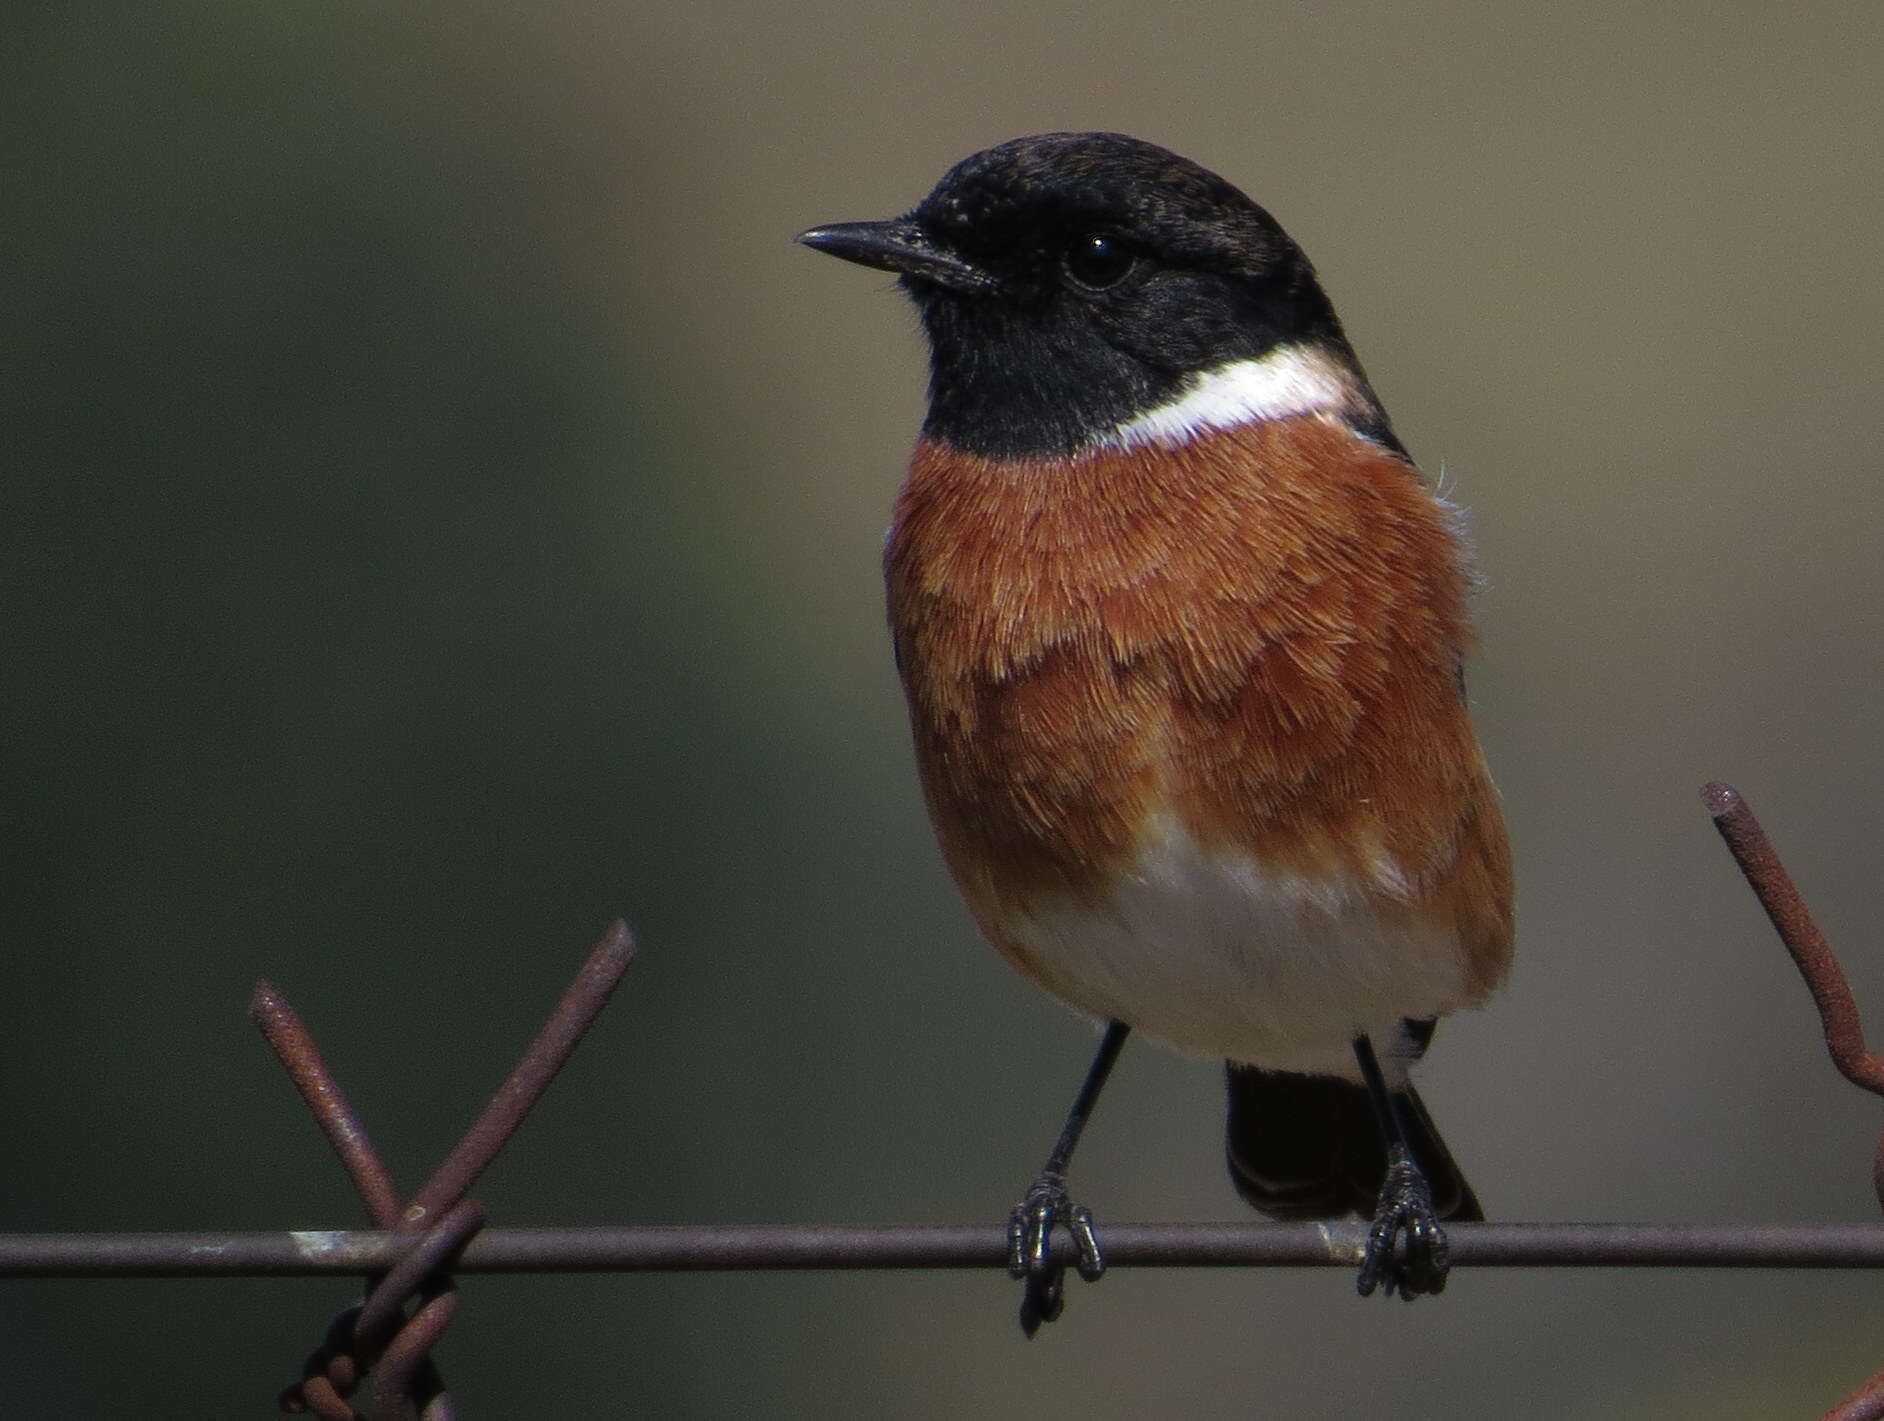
1030,1249
1406,1247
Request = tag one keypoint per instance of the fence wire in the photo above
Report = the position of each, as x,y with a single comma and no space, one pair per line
414,1250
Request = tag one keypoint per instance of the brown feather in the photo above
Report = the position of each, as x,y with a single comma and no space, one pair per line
1259,630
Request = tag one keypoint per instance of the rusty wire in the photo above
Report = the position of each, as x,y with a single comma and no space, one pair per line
1759,861
294,1048
412,1251
702,1248
1824,978
1864,1404
377,1337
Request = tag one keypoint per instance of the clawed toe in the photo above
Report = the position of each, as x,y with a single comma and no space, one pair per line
1407,1251
1030,1249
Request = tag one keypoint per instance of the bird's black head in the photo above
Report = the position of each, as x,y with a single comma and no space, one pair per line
1070,282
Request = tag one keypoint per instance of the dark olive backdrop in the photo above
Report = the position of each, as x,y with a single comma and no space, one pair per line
439,511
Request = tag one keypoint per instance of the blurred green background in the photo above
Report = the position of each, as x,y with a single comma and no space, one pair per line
440,512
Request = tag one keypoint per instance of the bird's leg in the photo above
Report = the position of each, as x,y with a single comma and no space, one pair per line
1046,1203
1406,1247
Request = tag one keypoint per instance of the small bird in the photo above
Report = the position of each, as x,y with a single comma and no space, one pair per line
1181,629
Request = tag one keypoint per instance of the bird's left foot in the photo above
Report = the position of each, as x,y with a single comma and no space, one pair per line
1030,1249
1406,1248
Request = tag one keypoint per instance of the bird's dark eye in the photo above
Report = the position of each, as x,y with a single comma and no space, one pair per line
1097,261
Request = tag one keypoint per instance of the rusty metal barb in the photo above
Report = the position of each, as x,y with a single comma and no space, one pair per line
407,1386
547,1054
1792,920
1759,861
436,1250
281,1027
1864,1404
378,1336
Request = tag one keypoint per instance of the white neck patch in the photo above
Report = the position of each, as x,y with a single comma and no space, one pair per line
1290,380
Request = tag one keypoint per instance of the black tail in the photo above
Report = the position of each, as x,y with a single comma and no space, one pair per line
1309,1147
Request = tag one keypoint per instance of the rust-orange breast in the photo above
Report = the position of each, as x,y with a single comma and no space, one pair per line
1257,632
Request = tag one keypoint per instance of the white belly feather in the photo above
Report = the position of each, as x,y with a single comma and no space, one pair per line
1212,954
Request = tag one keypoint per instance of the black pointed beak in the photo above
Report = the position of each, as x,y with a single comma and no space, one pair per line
901,247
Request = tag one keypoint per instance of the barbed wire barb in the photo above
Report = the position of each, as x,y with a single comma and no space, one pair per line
1825,979
378,1336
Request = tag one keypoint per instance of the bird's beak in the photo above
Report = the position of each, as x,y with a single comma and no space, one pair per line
900,246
